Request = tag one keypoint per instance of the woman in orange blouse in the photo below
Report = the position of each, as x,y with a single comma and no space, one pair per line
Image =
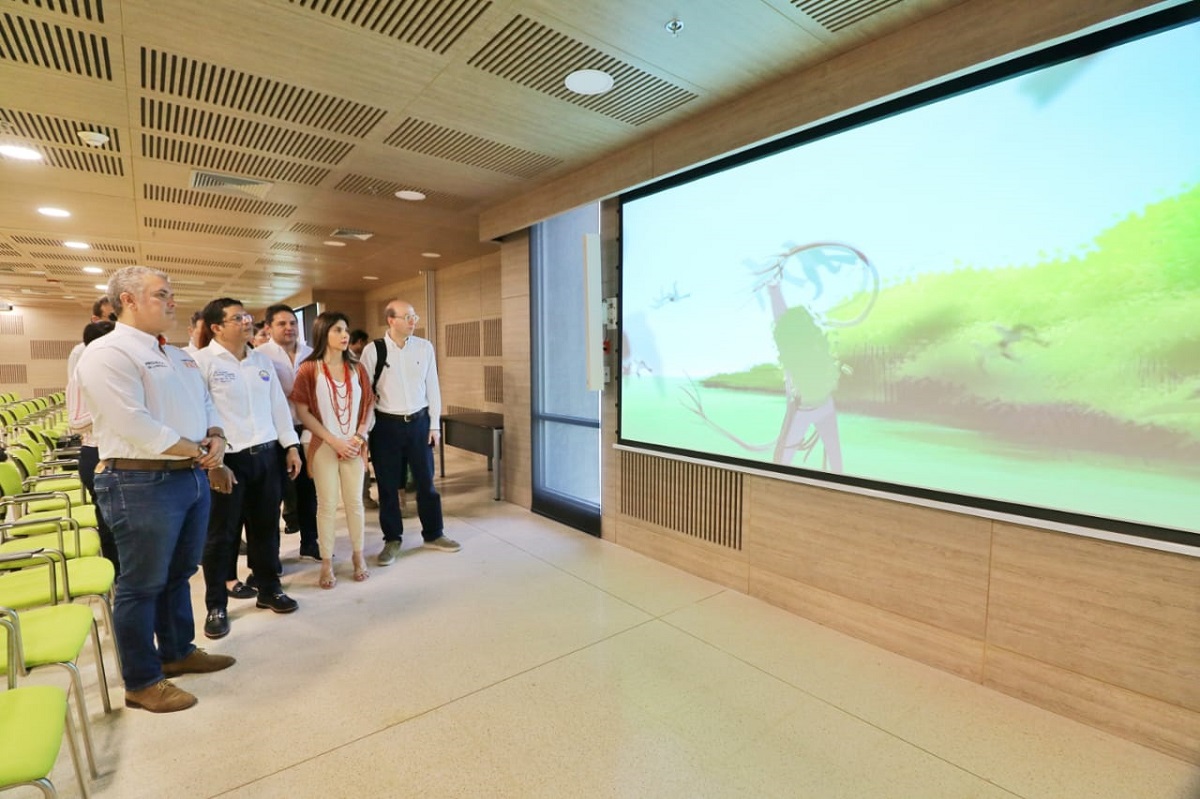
334,402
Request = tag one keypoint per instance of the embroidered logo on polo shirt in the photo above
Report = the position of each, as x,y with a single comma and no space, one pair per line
264,375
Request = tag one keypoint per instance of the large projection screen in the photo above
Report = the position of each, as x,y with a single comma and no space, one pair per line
985,294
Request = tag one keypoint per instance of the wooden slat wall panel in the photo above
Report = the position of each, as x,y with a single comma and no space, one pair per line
13,374
493,384
462,340
700,501
493,337
47,350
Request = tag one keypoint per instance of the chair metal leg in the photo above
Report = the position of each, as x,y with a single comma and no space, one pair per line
77,687
72,741
45,786
100,673
106,604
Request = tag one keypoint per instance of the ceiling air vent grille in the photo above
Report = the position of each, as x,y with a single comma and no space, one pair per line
174,260
41,241
533,55
84,161
223,202
211,126
71,258
211,230
206,157
834,15
455,145
310,228
80,9
351,233
229,184
40,44
434,26
377,187
228,88
9,251
58,130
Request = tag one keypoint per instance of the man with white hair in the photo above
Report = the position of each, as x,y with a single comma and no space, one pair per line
157,432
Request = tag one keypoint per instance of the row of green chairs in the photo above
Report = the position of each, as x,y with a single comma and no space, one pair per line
39,635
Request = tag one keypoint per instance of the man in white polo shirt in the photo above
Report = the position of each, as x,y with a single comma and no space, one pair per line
157,432
287,351
246,390
408,413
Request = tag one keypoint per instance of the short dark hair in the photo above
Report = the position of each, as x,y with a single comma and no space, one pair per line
196,317
214,314
277,308
97,329
99,304
358,335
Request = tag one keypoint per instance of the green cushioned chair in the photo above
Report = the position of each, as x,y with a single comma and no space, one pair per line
55,636
32,722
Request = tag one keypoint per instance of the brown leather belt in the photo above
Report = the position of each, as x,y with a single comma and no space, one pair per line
139,465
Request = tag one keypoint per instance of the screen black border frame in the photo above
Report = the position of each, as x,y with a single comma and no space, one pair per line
1057,53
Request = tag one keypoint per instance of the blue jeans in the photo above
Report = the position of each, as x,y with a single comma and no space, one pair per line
397,446
159,520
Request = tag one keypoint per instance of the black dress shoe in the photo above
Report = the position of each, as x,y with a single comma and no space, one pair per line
310,552
240,590
289,530
278,602
217,624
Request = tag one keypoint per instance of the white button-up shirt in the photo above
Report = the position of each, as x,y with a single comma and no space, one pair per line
409,381
248,396
286,368
143,398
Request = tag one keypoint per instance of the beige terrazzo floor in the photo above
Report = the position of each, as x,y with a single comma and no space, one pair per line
541,662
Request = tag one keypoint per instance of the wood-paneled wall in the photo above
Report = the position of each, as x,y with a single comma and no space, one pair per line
467,295
34,344
515,335
1105,633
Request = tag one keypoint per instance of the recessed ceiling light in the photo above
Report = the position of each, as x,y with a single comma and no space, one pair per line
410,195
101,286
77,245
19,152
431,255
264,287
68,296
93,270
589,81
369,277
335,244
58,212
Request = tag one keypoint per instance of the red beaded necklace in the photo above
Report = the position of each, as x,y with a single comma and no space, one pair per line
343,398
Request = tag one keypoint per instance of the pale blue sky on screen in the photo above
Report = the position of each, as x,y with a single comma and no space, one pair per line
1036,164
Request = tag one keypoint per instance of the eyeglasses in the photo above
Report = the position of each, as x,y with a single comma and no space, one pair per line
240,318
411,317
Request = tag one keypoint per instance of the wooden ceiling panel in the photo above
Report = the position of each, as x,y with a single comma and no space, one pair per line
243,132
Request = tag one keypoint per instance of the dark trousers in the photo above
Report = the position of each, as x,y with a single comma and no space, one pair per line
300,503
254,500
89,458
396,447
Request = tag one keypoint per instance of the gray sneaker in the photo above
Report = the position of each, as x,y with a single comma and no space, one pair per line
443,544
388,555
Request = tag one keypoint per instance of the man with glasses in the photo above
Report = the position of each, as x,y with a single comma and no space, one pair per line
408,412
246,391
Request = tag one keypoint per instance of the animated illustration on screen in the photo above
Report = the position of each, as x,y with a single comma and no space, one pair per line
995,295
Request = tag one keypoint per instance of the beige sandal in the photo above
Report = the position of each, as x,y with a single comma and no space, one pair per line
327,579
361,572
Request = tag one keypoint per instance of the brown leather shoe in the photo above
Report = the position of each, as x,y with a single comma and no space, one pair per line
198,662
162,697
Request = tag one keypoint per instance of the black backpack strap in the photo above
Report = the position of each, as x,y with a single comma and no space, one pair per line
380,362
